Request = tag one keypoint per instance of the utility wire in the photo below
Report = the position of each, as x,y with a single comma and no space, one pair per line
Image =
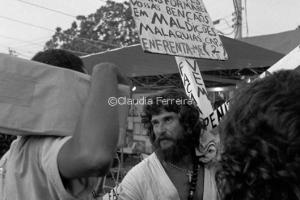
227,17
17,51
225,28
80,52
75,37
25,23
23,55
4,46
246,17
17,39
31,42
50,9
223,19
238,22
230,33
40,45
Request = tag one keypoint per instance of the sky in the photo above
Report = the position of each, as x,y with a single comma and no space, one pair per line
25,26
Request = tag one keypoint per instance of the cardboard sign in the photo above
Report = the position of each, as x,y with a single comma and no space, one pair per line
194,84
177,27
40,99
290,61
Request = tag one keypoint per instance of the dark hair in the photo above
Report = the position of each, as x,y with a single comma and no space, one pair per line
60,58
5,142
188,112
261,141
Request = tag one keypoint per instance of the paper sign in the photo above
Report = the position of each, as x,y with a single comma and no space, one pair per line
194,84
290,61
177,27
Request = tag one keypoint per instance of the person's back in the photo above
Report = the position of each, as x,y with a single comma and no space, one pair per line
31,165
52,167
261,141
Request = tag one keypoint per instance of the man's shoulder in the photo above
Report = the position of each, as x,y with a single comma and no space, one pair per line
145,165
149,159
38,144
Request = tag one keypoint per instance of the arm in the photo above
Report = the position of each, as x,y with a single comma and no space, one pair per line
90,150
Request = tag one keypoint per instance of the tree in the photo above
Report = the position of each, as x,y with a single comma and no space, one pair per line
111,26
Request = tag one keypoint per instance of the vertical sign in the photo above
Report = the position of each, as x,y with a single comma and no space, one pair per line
194,85
177,27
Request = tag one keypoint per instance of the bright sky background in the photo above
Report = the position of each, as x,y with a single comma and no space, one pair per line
264,17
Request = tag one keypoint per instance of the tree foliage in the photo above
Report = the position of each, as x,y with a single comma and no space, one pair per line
111,26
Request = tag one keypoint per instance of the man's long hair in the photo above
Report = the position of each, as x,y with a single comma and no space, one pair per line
188,113
261,140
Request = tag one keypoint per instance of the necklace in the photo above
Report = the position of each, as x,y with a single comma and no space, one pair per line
194,180
188,173
192,175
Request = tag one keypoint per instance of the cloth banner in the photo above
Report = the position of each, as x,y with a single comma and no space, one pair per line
40,99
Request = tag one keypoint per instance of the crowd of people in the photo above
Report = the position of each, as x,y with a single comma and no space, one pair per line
259,151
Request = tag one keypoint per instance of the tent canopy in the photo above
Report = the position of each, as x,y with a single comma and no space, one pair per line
134,62
283,42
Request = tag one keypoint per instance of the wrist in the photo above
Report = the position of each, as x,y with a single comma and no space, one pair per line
104,67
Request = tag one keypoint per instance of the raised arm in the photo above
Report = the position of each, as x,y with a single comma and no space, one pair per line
90,150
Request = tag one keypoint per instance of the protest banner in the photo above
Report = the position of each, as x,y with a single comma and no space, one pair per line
40,99
177,27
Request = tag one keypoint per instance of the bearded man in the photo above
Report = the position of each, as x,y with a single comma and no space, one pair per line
172,171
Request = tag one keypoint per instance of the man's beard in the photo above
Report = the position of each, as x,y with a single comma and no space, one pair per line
181,147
